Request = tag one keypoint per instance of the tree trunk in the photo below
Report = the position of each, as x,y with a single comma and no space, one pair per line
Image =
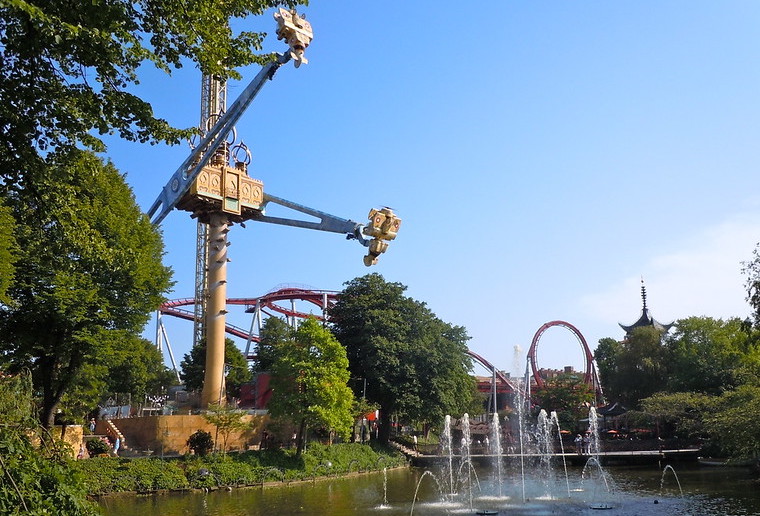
301,441
385,426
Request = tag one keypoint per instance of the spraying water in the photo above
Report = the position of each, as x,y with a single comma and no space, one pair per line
662,480
555,419
446,445
496,448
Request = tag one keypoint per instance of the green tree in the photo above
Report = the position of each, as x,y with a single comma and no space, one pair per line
706,355
193,365
274,331
226,420
734,424
415,365
635,368
125,364
8,251
66,68
751,270
569,396
680,413
309,382
606,358
89,268
34,480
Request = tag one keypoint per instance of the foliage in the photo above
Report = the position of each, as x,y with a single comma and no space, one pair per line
309,382
96,447
8,251
200,442
66,68
679,414
226,420
113,475
415,365
633,369
193,366
734,424
274,331
127,364
89,273
706,355
751,269
33,480
104,475
569,396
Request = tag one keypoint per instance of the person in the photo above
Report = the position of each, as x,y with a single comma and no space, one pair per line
487,443
116,446
587,443
579,444
92,426
80,455
414,438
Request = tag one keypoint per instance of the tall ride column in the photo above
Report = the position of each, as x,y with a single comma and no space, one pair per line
216,309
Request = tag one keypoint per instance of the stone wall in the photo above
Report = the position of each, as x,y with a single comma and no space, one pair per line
71,434
168,434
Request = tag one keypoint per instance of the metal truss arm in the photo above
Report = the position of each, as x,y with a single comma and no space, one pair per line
327,222
188,171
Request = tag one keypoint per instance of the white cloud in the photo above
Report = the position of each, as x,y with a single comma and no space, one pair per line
699,275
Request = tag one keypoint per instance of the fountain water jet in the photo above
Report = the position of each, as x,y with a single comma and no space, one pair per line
662,480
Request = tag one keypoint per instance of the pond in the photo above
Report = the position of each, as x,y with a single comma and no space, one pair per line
614,491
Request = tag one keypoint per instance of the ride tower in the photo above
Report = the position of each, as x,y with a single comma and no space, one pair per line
214,186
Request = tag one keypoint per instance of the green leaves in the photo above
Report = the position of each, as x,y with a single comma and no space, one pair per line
415,364
89,271
65,68
194,363
309,380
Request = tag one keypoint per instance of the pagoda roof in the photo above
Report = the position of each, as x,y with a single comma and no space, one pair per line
646,319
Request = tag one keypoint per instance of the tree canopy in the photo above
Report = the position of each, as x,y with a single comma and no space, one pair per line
7,250
708,355
751,270
568,395
415,365
193,366
309,382
634,368
66,68
89,271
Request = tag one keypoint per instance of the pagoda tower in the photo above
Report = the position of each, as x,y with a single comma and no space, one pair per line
646,318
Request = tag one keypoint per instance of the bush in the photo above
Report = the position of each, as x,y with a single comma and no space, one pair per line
201,443
95,447
114,475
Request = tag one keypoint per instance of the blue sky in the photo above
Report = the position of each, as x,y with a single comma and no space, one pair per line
544,157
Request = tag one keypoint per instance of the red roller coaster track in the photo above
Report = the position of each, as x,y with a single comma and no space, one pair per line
589,378
267,303
325,299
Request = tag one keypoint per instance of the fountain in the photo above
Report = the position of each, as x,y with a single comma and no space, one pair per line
662,480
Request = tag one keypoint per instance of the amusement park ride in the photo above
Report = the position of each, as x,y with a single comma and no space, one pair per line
219,195
214,186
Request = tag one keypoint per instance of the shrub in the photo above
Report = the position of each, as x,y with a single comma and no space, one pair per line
201,443
95,447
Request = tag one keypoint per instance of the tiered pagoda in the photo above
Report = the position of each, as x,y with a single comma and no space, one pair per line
646,318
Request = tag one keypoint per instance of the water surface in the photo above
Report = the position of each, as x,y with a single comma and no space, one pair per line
629,491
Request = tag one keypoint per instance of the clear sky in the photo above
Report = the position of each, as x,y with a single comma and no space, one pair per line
544,157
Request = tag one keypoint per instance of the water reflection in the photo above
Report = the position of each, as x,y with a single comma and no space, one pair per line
730,492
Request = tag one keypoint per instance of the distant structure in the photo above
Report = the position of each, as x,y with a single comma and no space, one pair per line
646,318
